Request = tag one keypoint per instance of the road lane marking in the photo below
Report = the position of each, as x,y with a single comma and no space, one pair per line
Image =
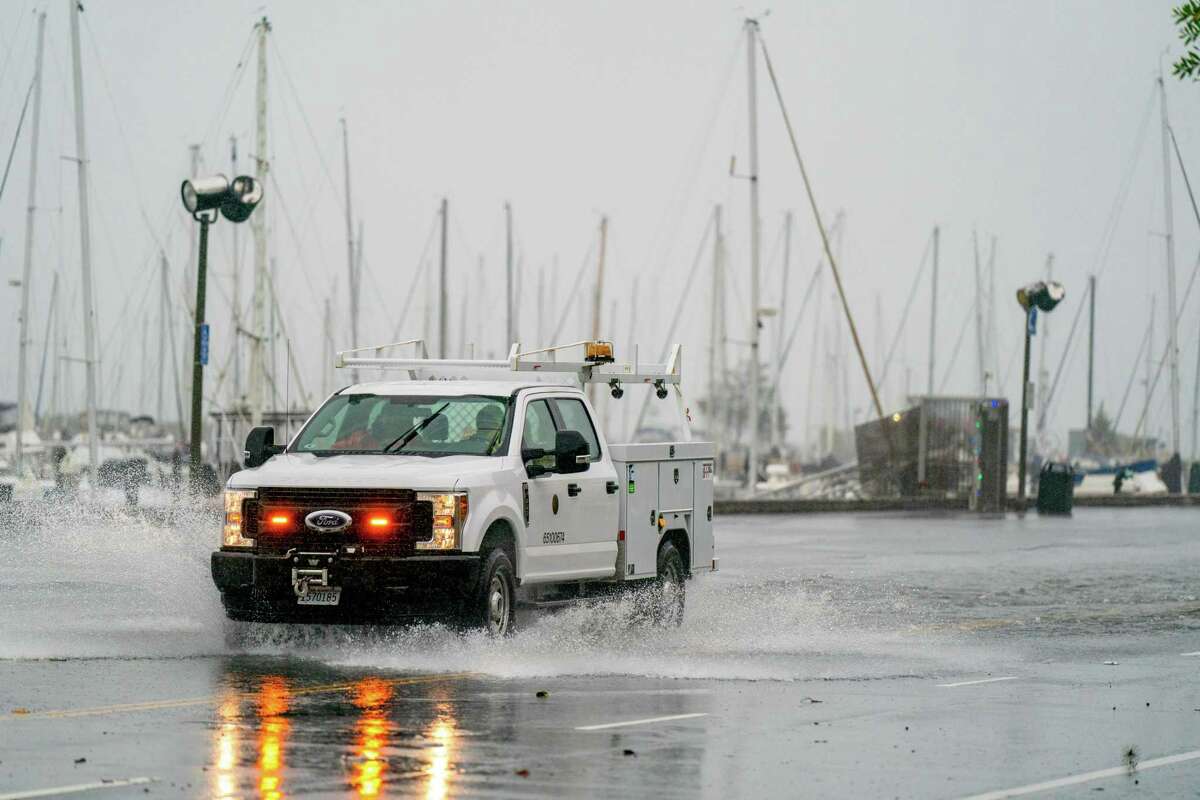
1085,777
973,683
607,725
75,788
1197,653
186,702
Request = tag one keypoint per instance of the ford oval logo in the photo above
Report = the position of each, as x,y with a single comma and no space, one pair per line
327,521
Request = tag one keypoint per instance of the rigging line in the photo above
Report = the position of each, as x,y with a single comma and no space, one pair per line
1183,169
417,274
287,74
1114,216
127,151
313,294
13,46
231,87
16,136
688,178
577,284
962,334
812,201
1133,373
907,308
308,225
1167,351
808,294
687,288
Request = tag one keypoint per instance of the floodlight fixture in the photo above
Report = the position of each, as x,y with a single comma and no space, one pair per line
235,199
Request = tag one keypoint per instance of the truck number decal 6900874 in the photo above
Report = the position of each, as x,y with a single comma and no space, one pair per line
554,537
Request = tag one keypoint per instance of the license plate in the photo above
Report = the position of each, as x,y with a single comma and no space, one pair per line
321,596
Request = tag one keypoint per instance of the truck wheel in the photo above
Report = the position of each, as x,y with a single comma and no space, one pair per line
493,605
669,594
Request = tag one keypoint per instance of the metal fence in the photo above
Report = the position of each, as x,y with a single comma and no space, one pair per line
928,449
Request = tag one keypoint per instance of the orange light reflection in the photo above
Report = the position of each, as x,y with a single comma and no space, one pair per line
372,696
225,757
273,698
440,769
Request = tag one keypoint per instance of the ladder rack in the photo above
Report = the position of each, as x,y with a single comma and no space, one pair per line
597,365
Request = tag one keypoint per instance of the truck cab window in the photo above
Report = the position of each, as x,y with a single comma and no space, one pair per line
539,431
574,417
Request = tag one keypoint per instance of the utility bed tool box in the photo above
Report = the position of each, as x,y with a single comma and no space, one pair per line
664,487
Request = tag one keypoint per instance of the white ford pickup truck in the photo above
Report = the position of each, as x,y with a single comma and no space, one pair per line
460,499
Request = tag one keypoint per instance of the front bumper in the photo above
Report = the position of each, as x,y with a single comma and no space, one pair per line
257,587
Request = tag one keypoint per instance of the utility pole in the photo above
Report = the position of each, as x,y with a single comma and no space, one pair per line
510,332
444,289
85,250
27,270
189,280
194,440
1169,214
1092,346
236,316
780,329
351,272
599,294
933,313
258,226
752,98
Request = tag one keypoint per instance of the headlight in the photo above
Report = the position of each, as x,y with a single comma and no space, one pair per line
232,534
449,518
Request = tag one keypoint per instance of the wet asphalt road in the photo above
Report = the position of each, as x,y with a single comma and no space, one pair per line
832,656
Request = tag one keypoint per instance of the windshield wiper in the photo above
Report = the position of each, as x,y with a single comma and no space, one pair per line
401,441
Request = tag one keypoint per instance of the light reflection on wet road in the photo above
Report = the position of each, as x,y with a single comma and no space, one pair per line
857,656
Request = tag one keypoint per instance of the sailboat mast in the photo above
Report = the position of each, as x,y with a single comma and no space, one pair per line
47,346
443,288
598,296
1169,215
258,226
27,269
1092,347
752,107
780,330
714,325
980,358
351,272
85,248
236,305
933,312
510,331
1043,384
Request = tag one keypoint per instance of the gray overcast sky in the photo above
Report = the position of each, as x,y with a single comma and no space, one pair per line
1018,119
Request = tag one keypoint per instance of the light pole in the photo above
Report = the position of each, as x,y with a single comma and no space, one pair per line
203,198
1044,295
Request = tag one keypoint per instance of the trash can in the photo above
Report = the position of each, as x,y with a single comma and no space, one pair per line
1056,488
1194,478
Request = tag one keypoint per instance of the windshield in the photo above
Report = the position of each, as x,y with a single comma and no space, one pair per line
432,425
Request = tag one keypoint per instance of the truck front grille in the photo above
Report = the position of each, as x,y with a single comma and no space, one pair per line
412,520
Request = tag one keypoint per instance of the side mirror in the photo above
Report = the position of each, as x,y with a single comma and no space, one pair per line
530,456
570,452
260,446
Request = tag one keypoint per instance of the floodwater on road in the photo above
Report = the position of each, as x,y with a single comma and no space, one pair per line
889,655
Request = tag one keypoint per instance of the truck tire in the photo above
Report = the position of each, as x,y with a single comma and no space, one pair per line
493,605
670,591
